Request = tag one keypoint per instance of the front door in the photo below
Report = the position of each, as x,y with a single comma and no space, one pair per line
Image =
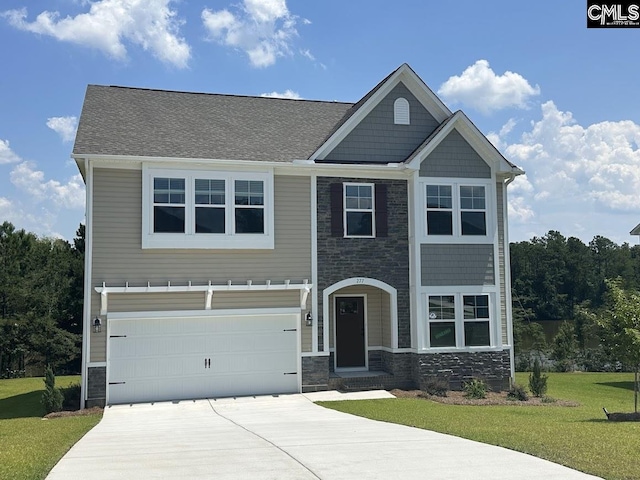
350,335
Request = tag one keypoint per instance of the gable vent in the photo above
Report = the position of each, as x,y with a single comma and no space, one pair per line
401,111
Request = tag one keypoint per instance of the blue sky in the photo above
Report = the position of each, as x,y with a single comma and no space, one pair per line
559,100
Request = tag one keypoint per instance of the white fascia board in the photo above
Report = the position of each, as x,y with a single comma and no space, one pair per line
415,85
294,168
424,94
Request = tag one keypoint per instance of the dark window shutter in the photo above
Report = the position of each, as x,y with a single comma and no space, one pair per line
382,229
336,210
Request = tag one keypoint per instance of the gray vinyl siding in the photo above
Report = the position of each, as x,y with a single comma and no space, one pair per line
447,265
119,258
455,158
501,262
378,319
376,139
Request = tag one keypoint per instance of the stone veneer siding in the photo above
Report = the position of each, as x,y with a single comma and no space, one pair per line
381,258
315,373
96,387
492,367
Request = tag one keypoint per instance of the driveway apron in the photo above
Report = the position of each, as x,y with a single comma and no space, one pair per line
280,437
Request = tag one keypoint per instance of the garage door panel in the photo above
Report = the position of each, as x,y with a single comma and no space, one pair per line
164,359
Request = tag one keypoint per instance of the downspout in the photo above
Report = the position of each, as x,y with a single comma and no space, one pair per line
507,280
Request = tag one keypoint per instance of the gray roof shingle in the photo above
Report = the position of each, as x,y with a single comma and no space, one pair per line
144,122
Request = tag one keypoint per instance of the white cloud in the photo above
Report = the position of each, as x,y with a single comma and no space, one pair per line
263,29
286,94
480,88
307,53
6,209
581,180
598,164
63,126
150,24
69,195
6,154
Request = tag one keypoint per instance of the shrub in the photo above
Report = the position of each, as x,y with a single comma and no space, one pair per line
537,380
518,392
52,397
475,388
71,397
437,386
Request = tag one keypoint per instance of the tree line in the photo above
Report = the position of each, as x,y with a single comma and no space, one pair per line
561,279
41,296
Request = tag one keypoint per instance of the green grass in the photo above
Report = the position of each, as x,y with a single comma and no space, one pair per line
29,445
578,437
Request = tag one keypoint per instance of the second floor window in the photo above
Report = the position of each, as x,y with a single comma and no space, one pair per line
358,210
169,205
249,206
207,209
456,210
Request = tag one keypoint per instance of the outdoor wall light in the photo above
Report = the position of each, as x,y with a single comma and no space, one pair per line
308,319
97,325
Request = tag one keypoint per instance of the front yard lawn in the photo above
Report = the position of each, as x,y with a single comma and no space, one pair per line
29,445
578,437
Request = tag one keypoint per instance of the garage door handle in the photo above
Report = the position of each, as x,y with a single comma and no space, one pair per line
290,330
290,373
117,336
117,383
207,363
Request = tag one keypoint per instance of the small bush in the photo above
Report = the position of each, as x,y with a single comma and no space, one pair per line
52,397
548,399
437,386
71,397
475,388
537,380
518,393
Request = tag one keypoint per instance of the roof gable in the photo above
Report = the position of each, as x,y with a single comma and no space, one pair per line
378,139
404,74
475,139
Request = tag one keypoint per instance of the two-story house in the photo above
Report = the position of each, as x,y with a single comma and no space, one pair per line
247,245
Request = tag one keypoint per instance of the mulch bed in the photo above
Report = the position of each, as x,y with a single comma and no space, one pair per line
74,413
493,398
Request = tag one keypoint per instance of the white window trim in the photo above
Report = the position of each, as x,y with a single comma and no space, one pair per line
458,294
372,209
191,240
457,237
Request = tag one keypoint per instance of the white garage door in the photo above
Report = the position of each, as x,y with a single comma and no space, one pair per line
154,359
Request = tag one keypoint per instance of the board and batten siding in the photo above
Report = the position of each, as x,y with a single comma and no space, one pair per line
118,257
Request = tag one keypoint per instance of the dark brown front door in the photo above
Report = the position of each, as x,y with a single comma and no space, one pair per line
350,341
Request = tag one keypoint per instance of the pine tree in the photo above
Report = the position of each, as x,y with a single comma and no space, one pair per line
52,397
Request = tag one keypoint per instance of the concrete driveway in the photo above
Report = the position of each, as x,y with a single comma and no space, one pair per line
284,437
